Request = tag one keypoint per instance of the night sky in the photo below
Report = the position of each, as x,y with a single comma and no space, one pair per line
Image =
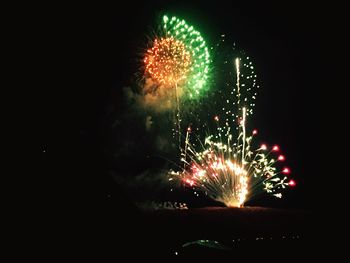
102,53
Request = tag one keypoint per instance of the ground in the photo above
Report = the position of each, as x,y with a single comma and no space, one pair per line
236,231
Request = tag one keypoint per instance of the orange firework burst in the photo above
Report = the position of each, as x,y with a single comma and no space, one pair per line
168,62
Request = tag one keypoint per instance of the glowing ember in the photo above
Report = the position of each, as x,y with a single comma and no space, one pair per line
286,170
281,158
263,147
275,148
292,183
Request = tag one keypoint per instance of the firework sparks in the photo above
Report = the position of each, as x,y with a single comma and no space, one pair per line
228,174
179,57
177,67
241,82
230,171
179,29
168,61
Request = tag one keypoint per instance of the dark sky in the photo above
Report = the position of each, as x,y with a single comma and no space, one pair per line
100,51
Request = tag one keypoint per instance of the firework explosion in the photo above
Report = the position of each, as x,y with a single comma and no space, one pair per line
228,170
168,61
231,174
179,57
176,68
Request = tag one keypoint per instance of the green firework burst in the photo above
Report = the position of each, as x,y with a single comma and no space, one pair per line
197,82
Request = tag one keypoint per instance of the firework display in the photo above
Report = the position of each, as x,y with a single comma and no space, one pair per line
234,173
227,168
238,79
178,57
168,61
224,165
